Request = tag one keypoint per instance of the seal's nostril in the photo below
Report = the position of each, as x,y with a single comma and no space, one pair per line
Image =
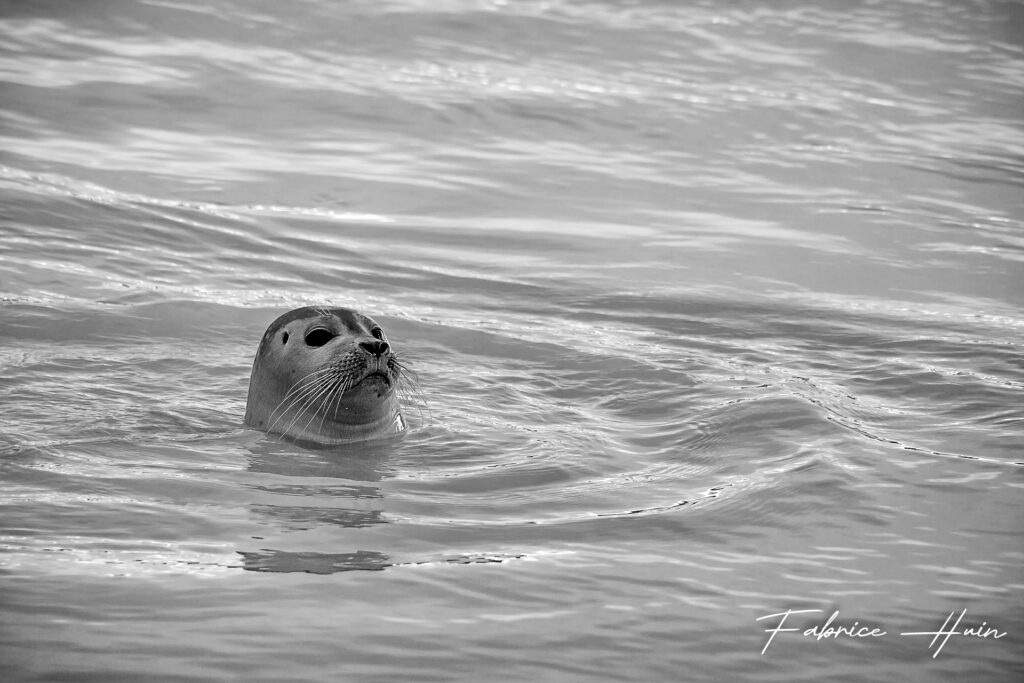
375,347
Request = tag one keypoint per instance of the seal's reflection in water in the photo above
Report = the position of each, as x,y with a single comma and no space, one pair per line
310,490
304,500
313,563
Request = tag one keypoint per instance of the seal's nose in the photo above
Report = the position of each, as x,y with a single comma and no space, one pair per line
375,347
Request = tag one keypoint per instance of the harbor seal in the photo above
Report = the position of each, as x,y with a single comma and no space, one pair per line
325,376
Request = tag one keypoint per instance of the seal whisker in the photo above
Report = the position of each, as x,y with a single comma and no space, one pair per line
408,386
337,401
334,397
311,399
297,390
325,406
299,397
321,399
310,389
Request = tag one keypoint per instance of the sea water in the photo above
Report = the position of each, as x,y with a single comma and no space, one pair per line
715,313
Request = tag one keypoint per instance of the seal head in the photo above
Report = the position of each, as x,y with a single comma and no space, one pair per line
325,376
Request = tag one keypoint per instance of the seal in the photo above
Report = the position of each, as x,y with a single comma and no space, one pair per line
325,376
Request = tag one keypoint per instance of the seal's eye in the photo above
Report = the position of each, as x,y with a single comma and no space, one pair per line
284,338
378,333
318,337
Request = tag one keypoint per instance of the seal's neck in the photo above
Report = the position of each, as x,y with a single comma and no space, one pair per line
347,427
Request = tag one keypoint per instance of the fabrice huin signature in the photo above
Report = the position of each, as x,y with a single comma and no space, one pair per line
832,629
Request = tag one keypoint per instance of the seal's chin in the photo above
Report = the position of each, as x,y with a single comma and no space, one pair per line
375,379
374,386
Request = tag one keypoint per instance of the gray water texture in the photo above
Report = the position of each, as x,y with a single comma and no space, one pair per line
714,311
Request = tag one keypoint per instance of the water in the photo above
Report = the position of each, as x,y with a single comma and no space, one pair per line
715,310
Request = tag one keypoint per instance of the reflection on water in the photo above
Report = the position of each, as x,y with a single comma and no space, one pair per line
313,563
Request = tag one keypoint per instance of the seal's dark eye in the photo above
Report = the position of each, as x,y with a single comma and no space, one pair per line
378,333
318,337
284,338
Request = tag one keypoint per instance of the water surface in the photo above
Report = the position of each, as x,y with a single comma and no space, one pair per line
715,311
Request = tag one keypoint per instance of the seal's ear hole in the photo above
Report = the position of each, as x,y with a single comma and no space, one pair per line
318,337
284,338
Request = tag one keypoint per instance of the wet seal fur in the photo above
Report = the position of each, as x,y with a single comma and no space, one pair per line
325,376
